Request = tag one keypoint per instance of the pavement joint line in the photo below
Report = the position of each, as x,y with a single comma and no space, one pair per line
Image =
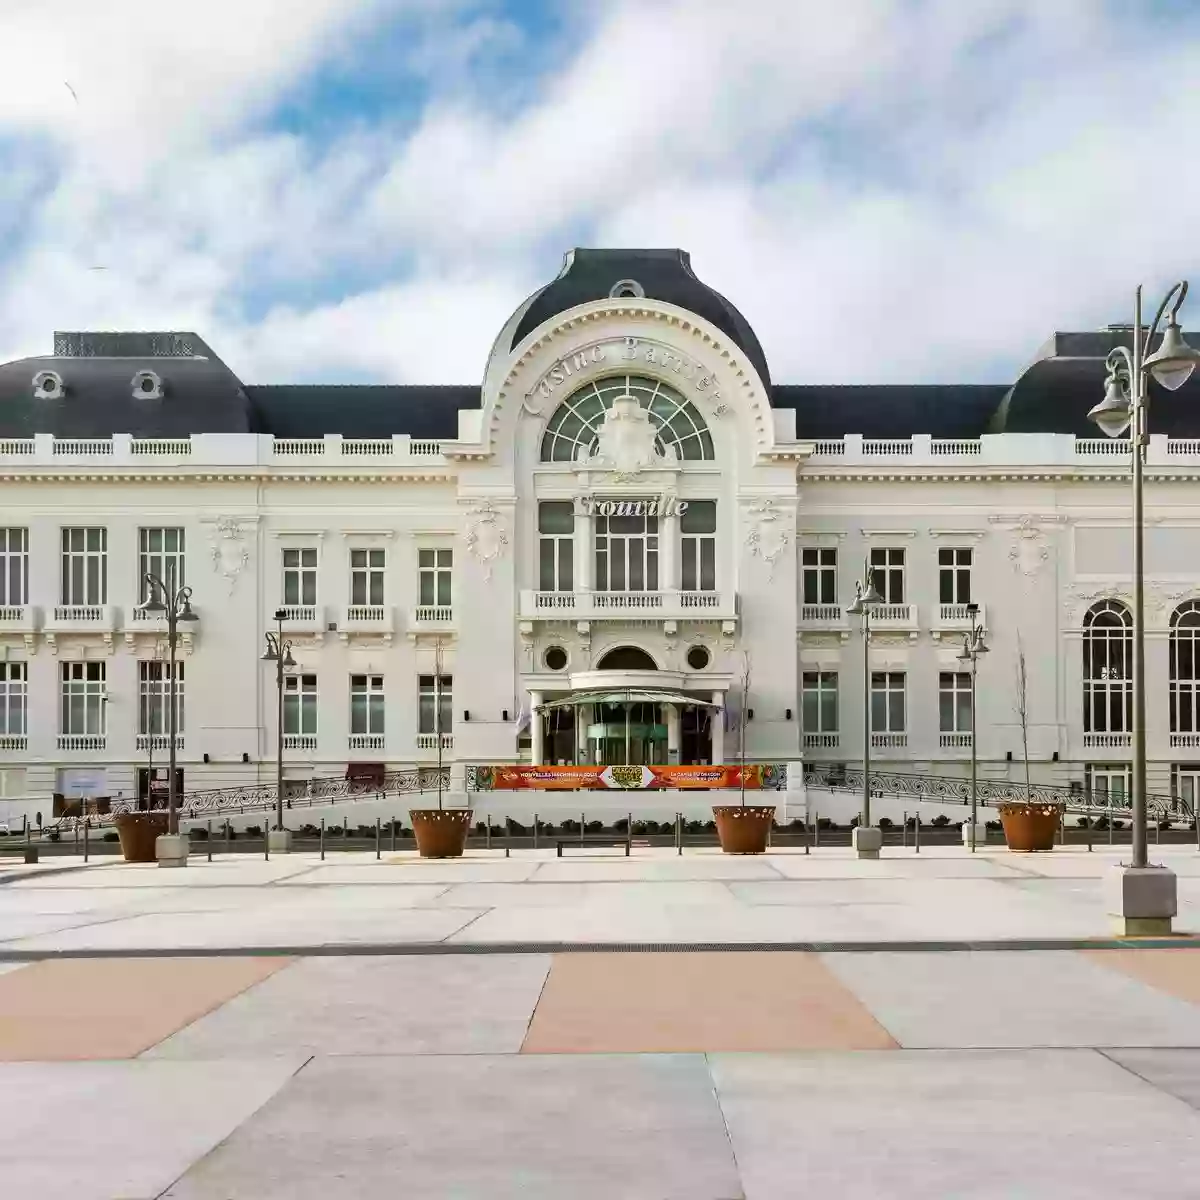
1181,942
1108,1051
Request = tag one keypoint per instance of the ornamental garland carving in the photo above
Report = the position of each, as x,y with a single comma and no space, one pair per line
228,549
770,532
486,536
1029,550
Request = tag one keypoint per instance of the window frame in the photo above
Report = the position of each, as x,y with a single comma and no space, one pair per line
373,708
14,566
438,573
371,573
955,567
83,574
818,567
823,688
889,573
887,692
304,571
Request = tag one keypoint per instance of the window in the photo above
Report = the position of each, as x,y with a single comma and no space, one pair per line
84,566
1107,680
818,567
887,702
83,698
435,707
366,704
575,425
160,553
14,699
14,567
819,701
698,528
366,576
1185,668
154,697
1109,784
436,568
556,546
954,701
1185,787
300,705
954,575
887,572
299,576
627,552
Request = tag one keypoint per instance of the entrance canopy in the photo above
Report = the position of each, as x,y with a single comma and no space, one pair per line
628,696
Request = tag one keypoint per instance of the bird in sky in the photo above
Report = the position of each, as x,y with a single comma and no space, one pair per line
71,90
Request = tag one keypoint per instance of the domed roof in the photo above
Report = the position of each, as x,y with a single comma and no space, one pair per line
656,274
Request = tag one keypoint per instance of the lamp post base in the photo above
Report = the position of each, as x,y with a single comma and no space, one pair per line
980,834
279,841
171,849
1143,901
866,840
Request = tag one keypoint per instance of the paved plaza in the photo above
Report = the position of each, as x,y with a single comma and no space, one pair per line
248,1030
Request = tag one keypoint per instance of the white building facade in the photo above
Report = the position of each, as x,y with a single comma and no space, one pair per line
628,549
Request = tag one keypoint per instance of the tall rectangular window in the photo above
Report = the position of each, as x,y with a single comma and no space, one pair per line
367,569
887,702
14,567
818,573
83,698
299,576
160,553
300,705
154,697
435,704
626,551
366,704
954,574
14,698
698,530
887,572
954,701
556,546
84,566
819,701
436,571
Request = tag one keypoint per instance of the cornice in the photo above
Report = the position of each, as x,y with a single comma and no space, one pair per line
225,476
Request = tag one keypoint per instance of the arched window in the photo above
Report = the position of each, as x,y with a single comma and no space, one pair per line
1107,668
627,658
1185,668
576,422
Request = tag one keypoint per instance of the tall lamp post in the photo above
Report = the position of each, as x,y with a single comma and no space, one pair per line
279,652
866,839
973,647
164,599
1142,897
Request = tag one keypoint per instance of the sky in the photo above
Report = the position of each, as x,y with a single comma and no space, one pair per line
891,191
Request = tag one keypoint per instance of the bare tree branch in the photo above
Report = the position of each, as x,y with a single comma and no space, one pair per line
1021,706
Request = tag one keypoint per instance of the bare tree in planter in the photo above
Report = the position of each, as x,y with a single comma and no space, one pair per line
1021,707
743,828
742,722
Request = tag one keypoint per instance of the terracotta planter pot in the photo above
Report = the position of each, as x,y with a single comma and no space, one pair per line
441,832
138,831
1030,826
743,830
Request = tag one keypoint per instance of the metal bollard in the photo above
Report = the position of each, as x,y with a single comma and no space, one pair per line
917,833
1157,837
1196,822
1110,826
86,823
378,836
208,839
816,830
487,830
679,833
267,840
394,824
321,842
228,837
76,835
535,831
1087,818
806,834
507,837
904,830
582,822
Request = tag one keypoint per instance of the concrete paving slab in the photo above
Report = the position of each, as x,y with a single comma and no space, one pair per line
103,1130
72,1009
1006,999
634,893
507,1126
1039,1125
240,869
650,1003
1176,1072
380,1005
579,867
894,863
1176,972
409,868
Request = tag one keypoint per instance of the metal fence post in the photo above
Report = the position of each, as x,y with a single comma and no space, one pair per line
228,837
86,824
378,836
267,840
679,833
1087,820
807,834
76,835
917,832
535,831
582,823
487,830
208,839
904,830
321,842
1110,825
394,824
507,837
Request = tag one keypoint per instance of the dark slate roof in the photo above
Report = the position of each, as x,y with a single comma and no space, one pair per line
890,410
360,411
663,274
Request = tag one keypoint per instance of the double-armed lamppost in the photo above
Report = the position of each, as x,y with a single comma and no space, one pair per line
279,652
973,647
164,599
1144,898
867,840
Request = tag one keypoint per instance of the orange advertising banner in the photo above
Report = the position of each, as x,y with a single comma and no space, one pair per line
519,778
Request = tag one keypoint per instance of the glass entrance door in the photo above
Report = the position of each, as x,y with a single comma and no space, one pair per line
628,735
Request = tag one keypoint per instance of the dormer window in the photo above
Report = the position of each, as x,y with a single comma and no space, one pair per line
48,385
147,386
627,289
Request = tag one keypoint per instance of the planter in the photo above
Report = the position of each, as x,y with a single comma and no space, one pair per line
441,832
1030,826
743,829
138,832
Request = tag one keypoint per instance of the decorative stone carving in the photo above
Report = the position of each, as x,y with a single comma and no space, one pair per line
486,536
229,551
1029,549
1081,597
626,442
770,533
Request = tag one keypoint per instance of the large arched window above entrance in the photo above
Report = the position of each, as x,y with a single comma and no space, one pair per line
627,658
1107,668
576,422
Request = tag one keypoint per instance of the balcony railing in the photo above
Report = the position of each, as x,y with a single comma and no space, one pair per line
1187,741
433,614
16,616
82,741
366,618
894,616
161,741
1107,741
954,741
825,615
366,741
822,741
885,741
81,618
598,605
299,741
303,613
429,741
14,741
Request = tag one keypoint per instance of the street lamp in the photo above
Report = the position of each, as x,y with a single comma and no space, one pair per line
164,599
1144,898
973,647
279,652
866,839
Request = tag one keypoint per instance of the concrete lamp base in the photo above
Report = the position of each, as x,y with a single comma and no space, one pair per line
866,840
171,849
1142,901
980,834
279,841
